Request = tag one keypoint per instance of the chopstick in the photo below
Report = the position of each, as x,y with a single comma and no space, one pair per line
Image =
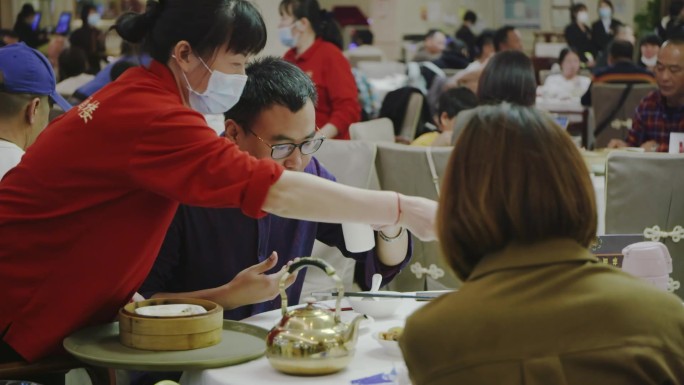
374,295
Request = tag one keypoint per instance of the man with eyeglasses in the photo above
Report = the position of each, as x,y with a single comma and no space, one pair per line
27,88
237,261
662,111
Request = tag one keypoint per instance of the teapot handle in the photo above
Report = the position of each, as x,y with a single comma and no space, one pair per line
325,266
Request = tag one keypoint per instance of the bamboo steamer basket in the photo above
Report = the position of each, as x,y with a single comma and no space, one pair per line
170,333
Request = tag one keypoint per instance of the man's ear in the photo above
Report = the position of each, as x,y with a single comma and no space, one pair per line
233,130
32,110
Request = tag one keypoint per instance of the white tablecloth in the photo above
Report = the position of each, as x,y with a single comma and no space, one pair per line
369,359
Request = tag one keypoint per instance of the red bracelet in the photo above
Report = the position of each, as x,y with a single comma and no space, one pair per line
398,209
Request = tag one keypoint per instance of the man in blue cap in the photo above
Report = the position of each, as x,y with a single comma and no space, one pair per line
27,83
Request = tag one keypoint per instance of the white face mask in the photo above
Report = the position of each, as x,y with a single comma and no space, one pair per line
286,36
94,19
222,93
582,17
605,13
650,62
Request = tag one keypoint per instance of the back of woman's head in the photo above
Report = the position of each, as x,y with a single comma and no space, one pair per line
508,77
205,24
514,177
322,22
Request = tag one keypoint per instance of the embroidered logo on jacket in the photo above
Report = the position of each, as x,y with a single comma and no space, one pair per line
87,109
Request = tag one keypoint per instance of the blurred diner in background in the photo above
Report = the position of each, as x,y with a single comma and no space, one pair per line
404,103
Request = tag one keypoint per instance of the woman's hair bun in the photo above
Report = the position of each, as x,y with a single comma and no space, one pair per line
133,27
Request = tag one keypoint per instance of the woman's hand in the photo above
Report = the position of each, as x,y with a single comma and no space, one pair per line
418,216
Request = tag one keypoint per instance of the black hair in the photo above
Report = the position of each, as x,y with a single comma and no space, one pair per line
72,61
621,49
271,81
119,68
501,36
322,21
85,11
470,16
362,36
508,77
26,10
608,2
676,8
564,52
652,39
455,100
432,32
485,37
575,9
205,24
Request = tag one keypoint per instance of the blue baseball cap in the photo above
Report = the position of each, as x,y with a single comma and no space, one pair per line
26,71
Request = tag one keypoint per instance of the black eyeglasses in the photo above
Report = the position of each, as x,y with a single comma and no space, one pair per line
283,150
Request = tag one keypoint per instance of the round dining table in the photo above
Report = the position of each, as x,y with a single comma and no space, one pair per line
370,359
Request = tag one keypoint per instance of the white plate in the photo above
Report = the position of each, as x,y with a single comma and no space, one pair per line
172,310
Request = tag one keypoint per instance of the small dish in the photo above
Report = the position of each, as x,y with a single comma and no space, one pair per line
379,307
390,347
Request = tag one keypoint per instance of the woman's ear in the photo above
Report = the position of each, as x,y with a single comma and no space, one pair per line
303,24
182,53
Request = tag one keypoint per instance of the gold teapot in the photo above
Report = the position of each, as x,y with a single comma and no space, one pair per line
312,340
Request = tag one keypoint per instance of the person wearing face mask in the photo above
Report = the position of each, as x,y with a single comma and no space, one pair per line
26,83
315,43
605,28
98,189
578,34
648,51
89,38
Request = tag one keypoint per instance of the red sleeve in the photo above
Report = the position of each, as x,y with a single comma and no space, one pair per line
344,96
180,157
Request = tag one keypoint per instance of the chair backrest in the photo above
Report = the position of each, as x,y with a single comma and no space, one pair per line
376,130
604,99
407,170
355,58
414,109
352,162
644,190
380,69
550,50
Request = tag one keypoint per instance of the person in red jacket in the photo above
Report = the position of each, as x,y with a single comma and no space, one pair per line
84,214
315,45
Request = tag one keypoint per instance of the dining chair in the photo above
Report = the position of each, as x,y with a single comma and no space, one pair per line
376,130
352,162
414,170
380,69
645,195
412,116
613,107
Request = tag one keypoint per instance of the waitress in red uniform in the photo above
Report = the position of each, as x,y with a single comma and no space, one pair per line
82,217
316,48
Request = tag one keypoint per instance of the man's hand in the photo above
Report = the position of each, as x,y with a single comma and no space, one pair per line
253,285
650,146
616,143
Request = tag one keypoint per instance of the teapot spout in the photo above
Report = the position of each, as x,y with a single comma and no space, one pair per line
352,333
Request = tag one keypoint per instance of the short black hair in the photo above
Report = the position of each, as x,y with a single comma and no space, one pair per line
432,32
651,39
485,37
621,49
363,36
455,100
205,24
271,81
119,68
72,61
508,77
501,36
470,16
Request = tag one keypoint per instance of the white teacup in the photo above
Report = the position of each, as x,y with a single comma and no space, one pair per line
650,261
358,237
